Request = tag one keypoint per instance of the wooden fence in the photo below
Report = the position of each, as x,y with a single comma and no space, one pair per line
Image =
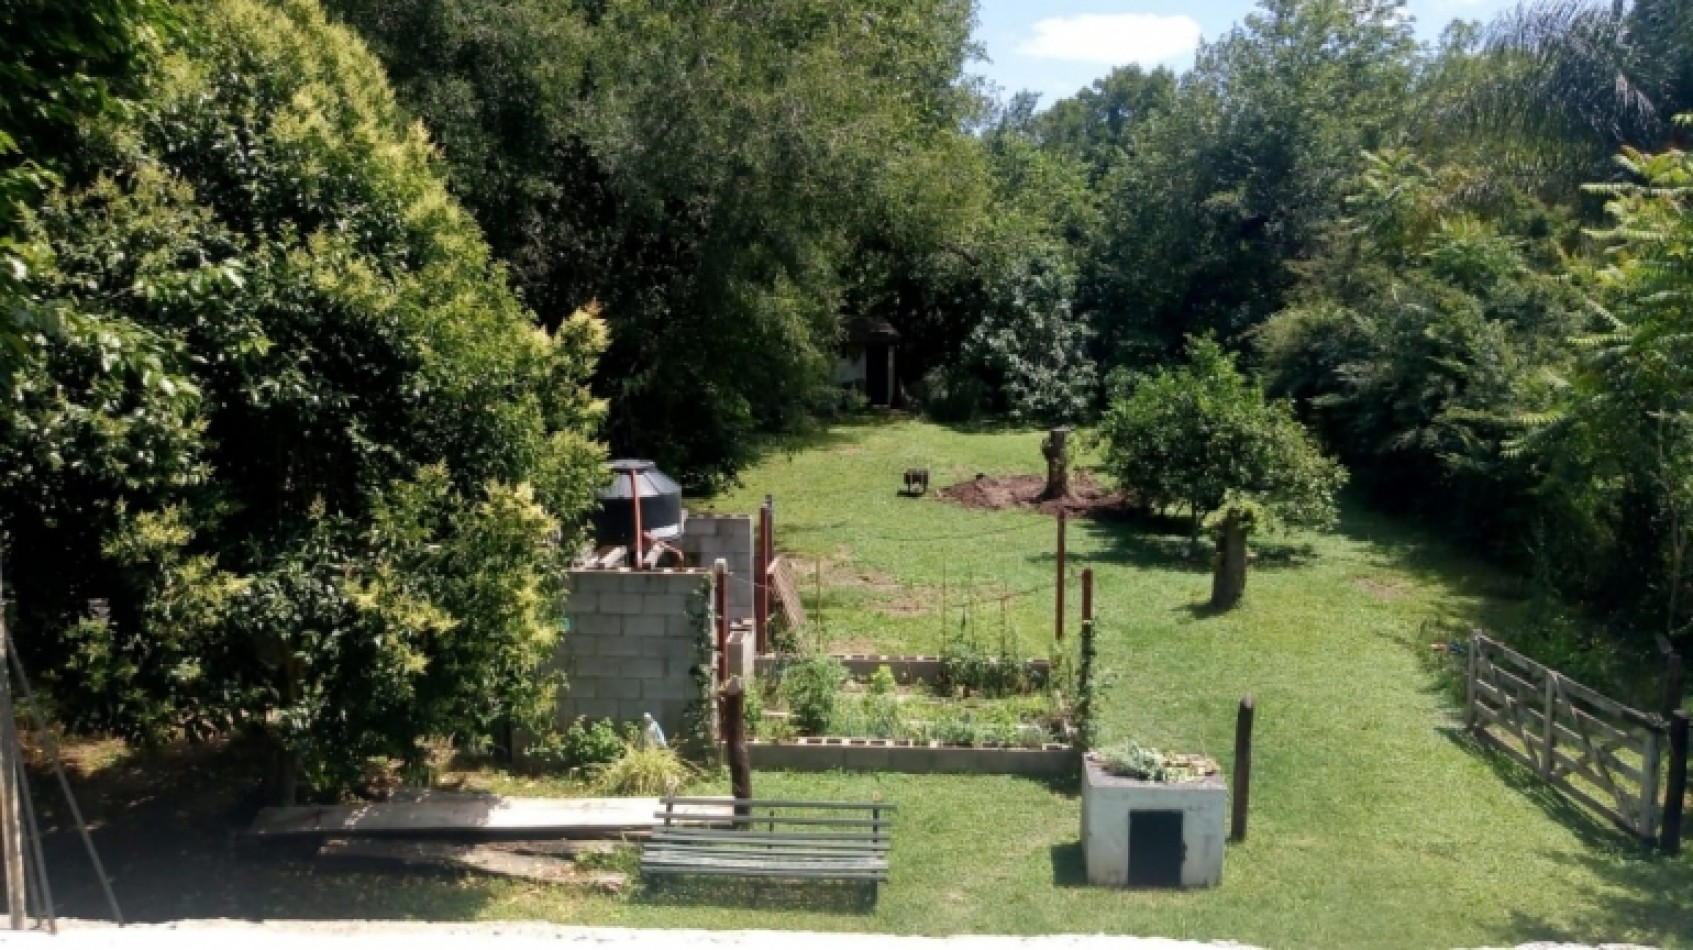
1601,753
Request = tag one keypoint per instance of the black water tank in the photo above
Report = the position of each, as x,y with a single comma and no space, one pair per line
661,504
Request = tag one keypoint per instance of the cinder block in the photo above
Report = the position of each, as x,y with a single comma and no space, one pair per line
670,688
620,688
598,666
583,688
620,646
572,648
619,604
641,668
643,625
590,708
594,625
667,647
582,602
664,604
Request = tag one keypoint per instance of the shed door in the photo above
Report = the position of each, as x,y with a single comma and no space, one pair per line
1156,850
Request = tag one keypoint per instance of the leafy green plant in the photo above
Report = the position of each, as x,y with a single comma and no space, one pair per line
882,681
585,747
968,669
1133,760
643,771
812,688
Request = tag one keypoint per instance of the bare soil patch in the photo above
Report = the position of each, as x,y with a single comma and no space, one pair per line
1087,496
1384,588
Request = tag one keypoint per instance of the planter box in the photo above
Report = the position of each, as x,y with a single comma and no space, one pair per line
883,755
1152,834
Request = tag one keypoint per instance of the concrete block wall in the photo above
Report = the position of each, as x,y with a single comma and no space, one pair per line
708,537
630,647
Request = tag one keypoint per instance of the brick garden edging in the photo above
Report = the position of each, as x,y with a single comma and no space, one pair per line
826,754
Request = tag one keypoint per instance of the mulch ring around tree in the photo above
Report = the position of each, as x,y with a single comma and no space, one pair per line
1087,496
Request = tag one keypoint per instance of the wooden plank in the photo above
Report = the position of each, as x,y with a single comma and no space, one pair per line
481,858
707,834
834,875
1605,704
767,848
493,817
782,803
787,593
1576,792
762,864
807,820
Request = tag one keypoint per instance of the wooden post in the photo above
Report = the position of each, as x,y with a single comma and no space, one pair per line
11,823
720,597
1675,789
735,744
1547,734
1058,626
1087,594
1674,677
1470,698
1651,759
761,582
1242,768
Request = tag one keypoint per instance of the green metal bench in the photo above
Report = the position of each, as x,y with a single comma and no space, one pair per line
773,839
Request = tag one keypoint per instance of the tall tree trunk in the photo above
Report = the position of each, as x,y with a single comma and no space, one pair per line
1228,583
1057,453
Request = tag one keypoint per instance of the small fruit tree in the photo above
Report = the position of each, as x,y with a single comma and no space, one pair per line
1202,437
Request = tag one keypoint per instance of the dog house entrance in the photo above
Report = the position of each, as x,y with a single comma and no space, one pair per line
1156,850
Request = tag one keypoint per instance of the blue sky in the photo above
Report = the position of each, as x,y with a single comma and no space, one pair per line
1058,46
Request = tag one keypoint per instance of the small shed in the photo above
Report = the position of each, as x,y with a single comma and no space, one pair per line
866,360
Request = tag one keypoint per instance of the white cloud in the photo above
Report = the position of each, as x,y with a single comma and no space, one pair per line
1113,39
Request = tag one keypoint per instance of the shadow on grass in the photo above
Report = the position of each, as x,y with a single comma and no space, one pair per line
1069,865
1646,895
837,897
1140,541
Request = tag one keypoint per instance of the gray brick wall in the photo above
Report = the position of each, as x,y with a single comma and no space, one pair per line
630,646
712,536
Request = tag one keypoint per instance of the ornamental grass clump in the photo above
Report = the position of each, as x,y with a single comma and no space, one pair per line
643,771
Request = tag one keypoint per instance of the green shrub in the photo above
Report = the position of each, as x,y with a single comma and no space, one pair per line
812,688
882,681
585,747
967,668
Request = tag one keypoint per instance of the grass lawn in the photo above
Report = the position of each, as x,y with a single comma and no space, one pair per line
1374,824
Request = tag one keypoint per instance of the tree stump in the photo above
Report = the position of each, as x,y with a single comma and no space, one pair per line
1228,583
1056,449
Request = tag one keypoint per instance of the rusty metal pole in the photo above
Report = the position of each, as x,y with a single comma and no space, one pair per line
638,544
720,601
1242,768
761,582
1058,626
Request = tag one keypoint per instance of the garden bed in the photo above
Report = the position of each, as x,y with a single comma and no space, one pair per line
906,670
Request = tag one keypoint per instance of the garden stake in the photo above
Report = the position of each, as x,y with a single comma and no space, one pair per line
1059,625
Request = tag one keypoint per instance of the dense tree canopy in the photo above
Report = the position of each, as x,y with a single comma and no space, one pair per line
323,511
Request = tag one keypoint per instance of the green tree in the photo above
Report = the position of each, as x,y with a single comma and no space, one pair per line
703,170
1204,438
343,535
